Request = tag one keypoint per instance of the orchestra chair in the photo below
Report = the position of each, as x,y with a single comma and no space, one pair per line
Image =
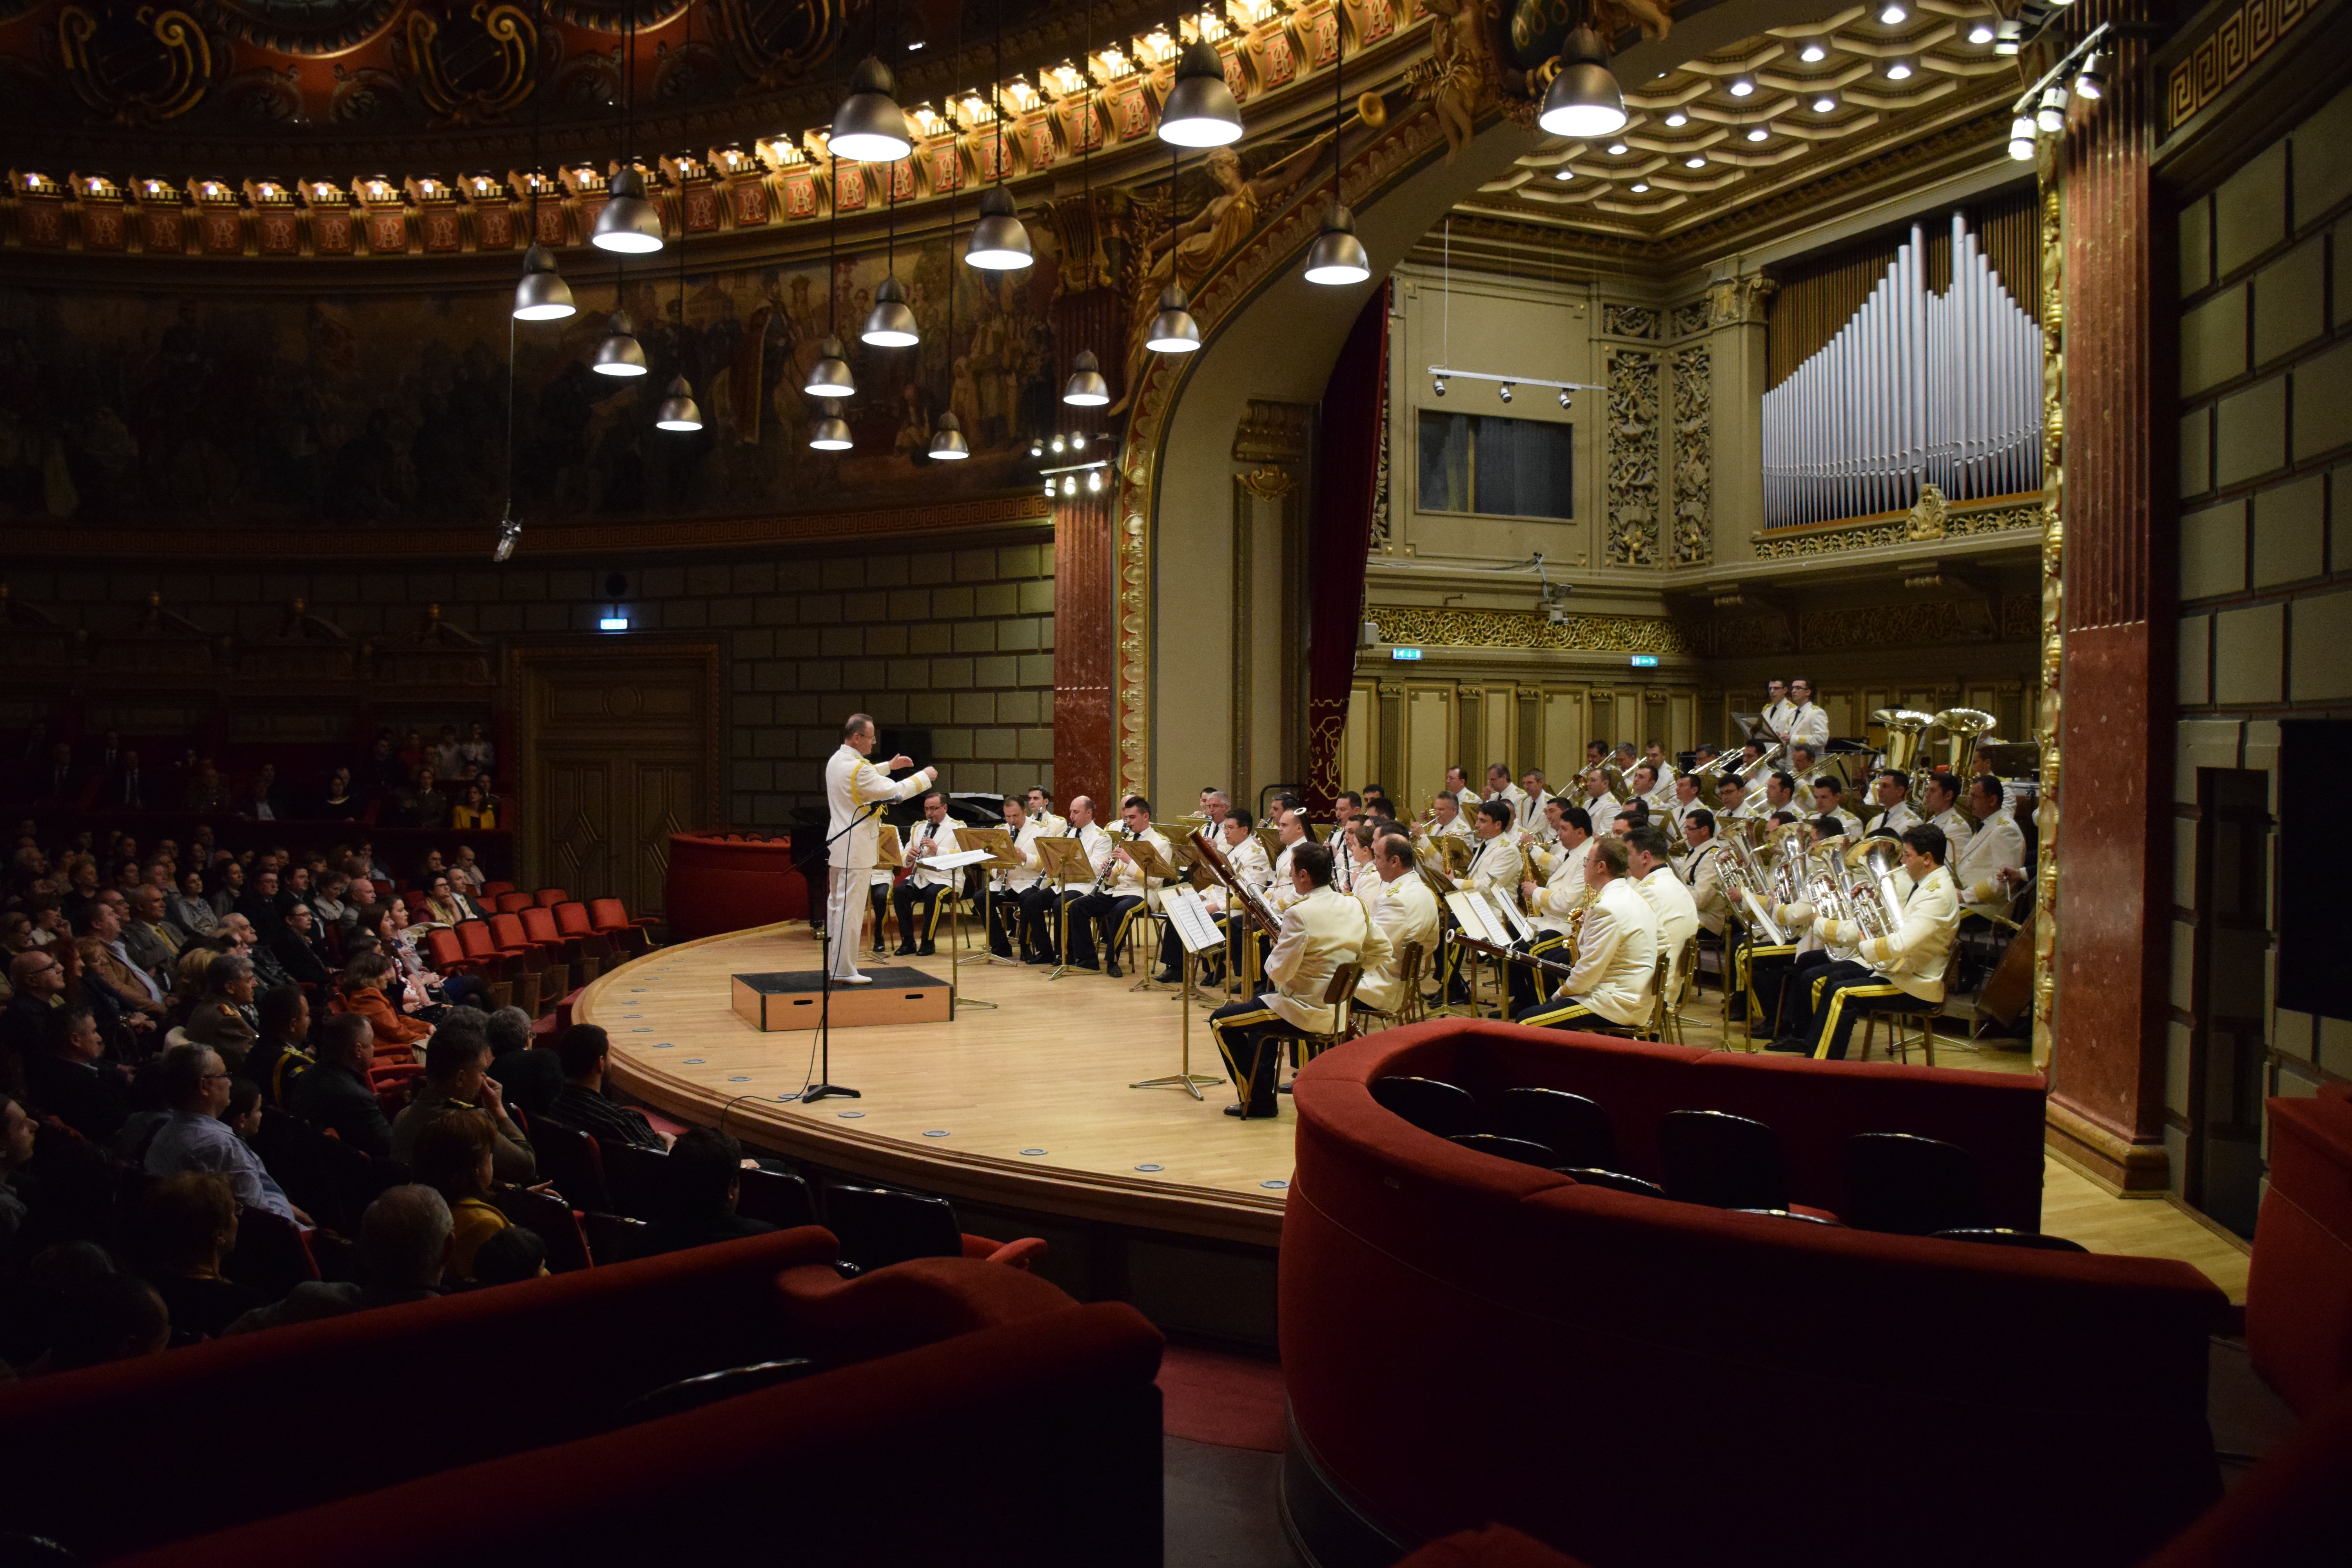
1662,980
1749,953
1410,1008
1899,1033
1339,996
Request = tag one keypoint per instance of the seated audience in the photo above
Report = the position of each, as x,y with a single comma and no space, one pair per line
281,1053
422,804
189,908
364,984
36,981
227,886
456,1077
586,1053
113,1317
227,1018
18,1132
476,751
300,947
331,903
445,905
336,802
246,941
196,1085
258,903
186,1229
453,1155
530,1077
510,1256
466,872
334,1096
706,1179
403,1249
474,810
150,940
72,1079
139,990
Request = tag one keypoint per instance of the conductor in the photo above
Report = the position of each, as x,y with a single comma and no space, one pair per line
852,787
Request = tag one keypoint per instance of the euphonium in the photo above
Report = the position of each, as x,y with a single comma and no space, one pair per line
1961,726
1904,726
1877,894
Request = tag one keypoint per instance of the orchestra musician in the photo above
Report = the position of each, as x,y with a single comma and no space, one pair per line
1495,864
1445,821
1803,766
1652,867
1500,787
1893,788
1406,911
1900,972
1598,803
922,892
1040,811
1457,781
1939,795
1351,856
1809,726
1094,843
1827,802
1121,888
1989,864
1531,785
1553,902
1644,782
1018,899
1732,799
1216,806
1702,873
1376,802
1686,800
1322,930
854,788
1782,977
1779,711
1290,832
1613,978
1659,763
1245,857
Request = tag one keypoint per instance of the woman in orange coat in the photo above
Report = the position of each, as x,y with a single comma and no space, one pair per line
363,993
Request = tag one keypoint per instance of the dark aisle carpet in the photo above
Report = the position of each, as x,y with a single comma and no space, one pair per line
1221,1458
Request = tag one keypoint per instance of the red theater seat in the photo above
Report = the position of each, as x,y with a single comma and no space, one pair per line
612,922
494,890
2299,1282
512,903
2288,1511
550,897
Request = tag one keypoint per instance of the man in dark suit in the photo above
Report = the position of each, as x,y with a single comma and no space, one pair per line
127,788
334,1096
706,1177
70,1080
38,981
57,782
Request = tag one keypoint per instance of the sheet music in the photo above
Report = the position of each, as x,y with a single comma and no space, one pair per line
960,859
1473,916
1195,927
1510,919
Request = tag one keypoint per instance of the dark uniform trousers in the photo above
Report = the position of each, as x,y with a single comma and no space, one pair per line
1040,915
1784,980
1111,911
877,897
918,913
1251,1034
1005,923
1846,991
1529,985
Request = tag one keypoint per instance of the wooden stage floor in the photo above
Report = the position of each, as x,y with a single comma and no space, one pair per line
1027,1106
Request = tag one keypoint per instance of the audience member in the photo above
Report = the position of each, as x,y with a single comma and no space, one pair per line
227,886
335,1096
404,1250
466,871
453,1155
246,941
365,980
258,902
298,947
196,1085
706,1179
139,990
189,908
150,940
70,1079
186,1230
474,810
227,1018
456,1077
111,1317
281,1052
510,1256
17,1131
530,1078
36,981
445,904
586,1053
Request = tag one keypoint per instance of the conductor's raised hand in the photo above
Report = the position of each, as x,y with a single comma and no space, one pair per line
895,763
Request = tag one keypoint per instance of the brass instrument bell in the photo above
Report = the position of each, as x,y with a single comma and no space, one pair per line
1961,726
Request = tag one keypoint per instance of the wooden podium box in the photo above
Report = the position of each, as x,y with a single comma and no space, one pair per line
795,1000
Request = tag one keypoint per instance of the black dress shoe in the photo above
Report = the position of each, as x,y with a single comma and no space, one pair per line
1167,978
1110,970
1282,1088
906,952
1792,1043
927,951
1246,1114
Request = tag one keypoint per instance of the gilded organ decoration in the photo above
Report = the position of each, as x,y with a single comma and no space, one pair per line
1632,472
1790,544
1629,321
472,66
1416,626
1693,539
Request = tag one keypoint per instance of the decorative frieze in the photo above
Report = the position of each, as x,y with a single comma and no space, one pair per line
1873,533
1416,626
1633,475
1694,537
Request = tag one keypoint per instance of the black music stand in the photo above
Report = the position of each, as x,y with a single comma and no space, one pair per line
825,1087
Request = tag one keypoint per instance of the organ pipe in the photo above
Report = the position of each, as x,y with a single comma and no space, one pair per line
1916,387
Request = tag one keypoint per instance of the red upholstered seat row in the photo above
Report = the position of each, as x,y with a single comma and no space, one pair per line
1465,1339
2299,1285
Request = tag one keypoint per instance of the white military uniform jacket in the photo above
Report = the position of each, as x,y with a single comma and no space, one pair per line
851,783
1616,955
1320,932
1515,798
1913,958
1997,842
1562,889
1958,830
942,837
1779,716
1852,823
1094,840
1127,881
1603,809
1246,861
1033,870
1406,911
1496,863
1702,872
1896,819
1809,727
1677,912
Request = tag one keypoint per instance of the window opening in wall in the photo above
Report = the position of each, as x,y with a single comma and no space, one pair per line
1494,466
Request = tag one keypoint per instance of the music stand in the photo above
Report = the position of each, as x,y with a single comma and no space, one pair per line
1002,858
1197,929
957,862
1065,860
1154,867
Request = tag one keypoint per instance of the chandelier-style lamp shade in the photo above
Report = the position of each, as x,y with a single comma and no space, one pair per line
891,324
1086,388
677,410
869,126
1583,100
999,243
629,224
541,293
947,444
620,353
1173,330
1199,110
830,377
832,432
1338,256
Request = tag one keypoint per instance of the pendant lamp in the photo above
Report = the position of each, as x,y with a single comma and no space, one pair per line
620,353
1583,100
628,224
999,242
947,444
869,125
541,293
1199,110
830,377
1338,256
891,324
677,410
1173,330
1086,388
832,432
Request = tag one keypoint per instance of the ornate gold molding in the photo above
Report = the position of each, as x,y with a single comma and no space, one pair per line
1416,626
1895,528
2053,642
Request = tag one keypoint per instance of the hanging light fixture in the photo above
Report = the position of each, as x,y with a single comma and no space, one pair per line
999,242
1199,110
1337,257
620,353
948,444
2021,139
2051,117
678,410
830,377
1173,330
869,126
541,293
1583,100
628,224
891,324
2088,83
832,432
1086,388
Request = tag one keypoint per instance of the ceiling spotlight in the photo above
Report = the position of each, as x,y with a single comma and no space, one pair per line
830,377
999,242
541,293
1564,398
2021,139
1338,256
678,411
1742,88
2087,81
1616,148
1812,54
1758,133
1438,386
1894,16
629,224
510,534
1981,33
1693,163
2051,116
1059,445
1583,100
1504,391
869,126
947,444
1037,448
1173,330
1564,174
1898,71
1825,104
1200,110
620,353
891,324
2007,37
1069,484
1679,119
1077,440
1094,481
1639,186
1086,388
832,432
1049,489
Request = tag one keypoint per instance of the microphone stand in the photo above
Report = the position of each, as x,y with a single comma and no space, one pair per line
825,1087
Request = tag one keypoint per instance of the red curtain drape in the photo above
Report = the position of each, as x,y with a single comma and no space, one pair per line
1347,470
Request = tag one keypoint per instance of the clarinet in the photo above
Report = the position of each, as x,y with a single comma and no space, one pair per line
1110,865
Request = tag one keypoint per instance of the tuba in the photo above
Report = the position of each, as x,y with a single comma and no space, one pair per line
1905,727
1961,726
1749,886
1875,892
